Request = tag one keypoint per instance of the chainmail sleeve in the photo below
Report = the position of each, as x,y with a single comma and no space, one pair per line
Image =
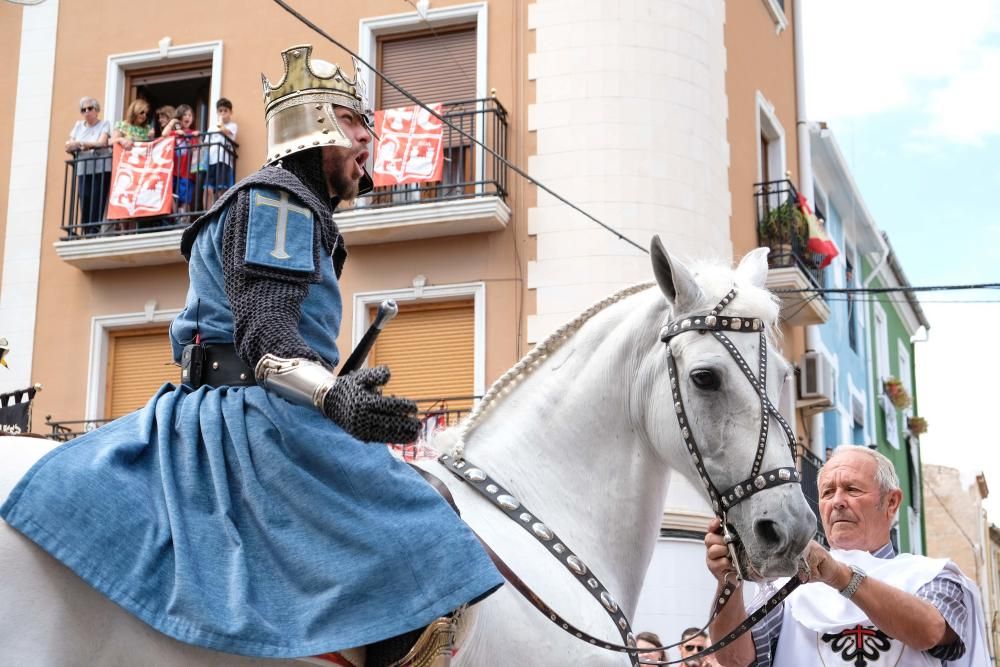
266,304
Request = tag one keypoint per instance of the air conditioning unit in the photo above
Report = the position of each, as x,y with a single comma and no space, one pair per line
816,378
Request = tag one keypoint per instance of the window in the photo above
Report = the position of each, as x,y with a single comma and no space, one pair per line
139,362
771,159
173,84
430,349
852,307
882,343
434,66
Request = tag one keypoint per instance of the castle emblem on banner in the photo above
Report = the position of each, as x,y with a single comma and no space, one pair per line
410,146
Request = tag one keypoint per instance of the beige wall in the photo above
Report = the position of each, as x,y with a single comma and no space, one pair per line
10,46
952,516
88,33
758,60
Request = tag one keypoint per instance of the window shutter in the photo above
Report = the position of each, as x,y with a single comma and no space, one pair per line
429,349
139,363
433,68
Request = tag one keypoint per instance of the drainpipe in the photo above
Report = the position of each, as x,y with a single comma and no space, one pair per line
805,187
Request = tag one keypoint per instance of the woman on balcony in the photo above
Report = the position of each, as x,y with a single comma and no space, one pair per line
87,143
135,127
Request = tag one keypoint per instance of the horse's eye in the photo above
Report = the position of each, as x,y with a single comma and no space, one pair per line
706,379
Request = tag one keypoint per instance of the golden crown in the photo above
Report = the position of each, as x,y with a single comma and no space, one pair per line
304,76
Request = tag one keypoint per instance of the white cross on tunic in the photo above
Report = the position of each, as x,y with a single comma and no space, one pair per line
281,228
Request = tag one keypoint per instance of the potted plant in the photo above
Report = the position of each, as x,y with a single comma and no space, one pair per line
784,228
897,393
916,425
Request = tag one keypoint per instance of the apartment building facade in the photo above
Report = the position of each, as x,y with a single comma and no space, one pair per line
669,117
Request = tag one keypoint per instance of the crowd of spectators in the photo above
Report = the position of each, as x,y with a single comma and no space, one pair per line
203,165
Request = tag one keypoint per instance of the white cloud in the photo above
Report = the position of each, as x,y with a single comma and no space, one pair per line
870,56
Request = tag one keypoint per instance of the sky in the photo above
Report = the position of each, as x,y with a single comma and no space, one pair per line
911,90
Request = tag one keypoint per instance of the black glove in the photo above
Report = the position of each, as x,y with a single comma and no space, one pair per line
356,404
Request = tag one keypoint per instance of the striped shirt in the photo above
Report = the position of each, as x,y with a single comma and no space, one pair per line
944,592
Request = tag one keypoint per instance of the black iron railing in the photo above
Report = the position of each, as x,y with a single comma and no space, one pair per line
206,159
469,171
782,227
435,413
67,429
809,465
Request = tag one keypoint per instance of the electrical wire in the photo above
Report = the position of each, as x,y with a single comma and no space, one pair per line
886,290
517,170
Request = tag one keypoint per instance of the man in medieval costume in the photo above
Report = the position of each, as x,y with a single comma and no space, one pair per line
251,509
865,605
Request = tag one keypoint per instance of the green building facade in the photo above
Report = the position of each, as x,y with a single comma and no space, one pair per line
896,324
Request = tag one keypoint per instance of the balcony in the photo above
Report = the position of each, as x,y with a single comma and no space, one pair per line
435,413
471,198
782,228
809,465
91,242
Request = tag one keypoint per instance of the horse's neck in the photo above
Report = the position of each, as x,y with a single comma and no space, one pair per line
565,444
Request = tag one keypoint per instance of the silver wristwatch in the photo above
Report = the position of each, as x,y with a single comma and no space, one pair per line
851,588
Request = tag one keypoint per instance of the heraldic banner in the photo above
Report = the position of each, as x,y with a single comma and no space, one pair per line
410,146
141,183
15,411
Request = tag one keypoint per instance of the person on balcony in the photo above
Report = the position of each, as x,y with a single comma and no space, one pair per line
88,144
262,512
900,609
219,177
135,127
163,117
181,127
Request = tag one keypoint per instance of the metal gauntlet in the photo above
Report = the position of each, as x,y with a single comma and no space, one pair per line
298,381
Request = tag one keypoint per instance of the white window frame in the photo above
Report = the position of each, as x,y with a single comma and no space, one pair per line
101,327
120,63
431,293
913,523
777,15
370,29
905,370
769,126
882,344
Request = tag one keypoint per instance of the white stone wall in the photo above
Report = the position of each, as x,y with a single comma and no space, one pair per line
26,200
678,588
630,114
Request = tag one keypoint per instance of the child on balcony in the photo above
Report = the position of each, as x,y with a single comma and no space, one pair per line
182,128
221,153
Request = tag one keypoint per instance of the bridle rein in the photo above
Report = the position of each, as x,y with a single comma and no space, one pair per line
719,325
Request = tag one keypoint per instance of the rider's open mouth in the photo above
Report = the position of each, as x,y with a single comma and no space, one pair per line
362,158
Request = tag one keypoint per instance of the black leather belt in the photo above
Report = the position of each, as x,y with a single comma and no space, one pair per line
216,365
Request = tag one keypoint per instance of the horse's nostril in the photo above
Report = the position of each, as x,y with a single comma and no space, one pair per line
769,533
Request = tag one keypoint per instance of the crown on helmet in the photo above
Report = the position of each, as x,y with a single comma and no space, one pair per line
298,110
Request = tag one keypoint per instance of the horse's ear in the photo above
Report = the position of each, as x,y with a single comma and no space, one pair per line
674,279
753,267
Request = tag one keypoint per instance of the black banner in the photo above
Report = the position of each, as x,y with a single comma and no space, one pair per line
15,412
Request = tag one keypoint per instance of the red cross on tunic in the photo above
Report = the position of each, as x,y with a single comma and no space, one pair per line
859,633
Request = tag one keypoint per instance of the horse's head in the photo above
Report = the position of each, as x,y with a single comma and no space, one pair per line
719,322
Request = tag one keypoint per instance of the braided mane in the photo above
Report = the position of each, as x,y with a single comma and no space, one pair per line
531,361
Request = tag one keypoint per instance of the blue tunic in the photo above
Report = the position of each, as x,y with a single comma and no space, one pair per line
232,519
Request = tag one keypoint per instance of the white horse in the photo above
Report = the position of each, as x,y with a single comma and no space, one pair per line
582,431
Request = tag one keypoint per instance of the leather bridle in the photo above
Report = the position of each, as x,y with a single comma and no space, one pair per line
719,325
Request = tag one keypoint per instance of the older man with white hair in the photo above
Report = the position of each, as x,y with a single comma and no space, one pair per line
865,605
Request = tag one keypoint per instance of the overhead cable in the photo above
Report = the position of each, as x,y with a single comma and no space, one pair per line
517,170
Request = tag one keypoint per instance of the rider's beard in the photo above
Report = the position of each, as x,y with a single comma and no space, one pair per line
339,164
